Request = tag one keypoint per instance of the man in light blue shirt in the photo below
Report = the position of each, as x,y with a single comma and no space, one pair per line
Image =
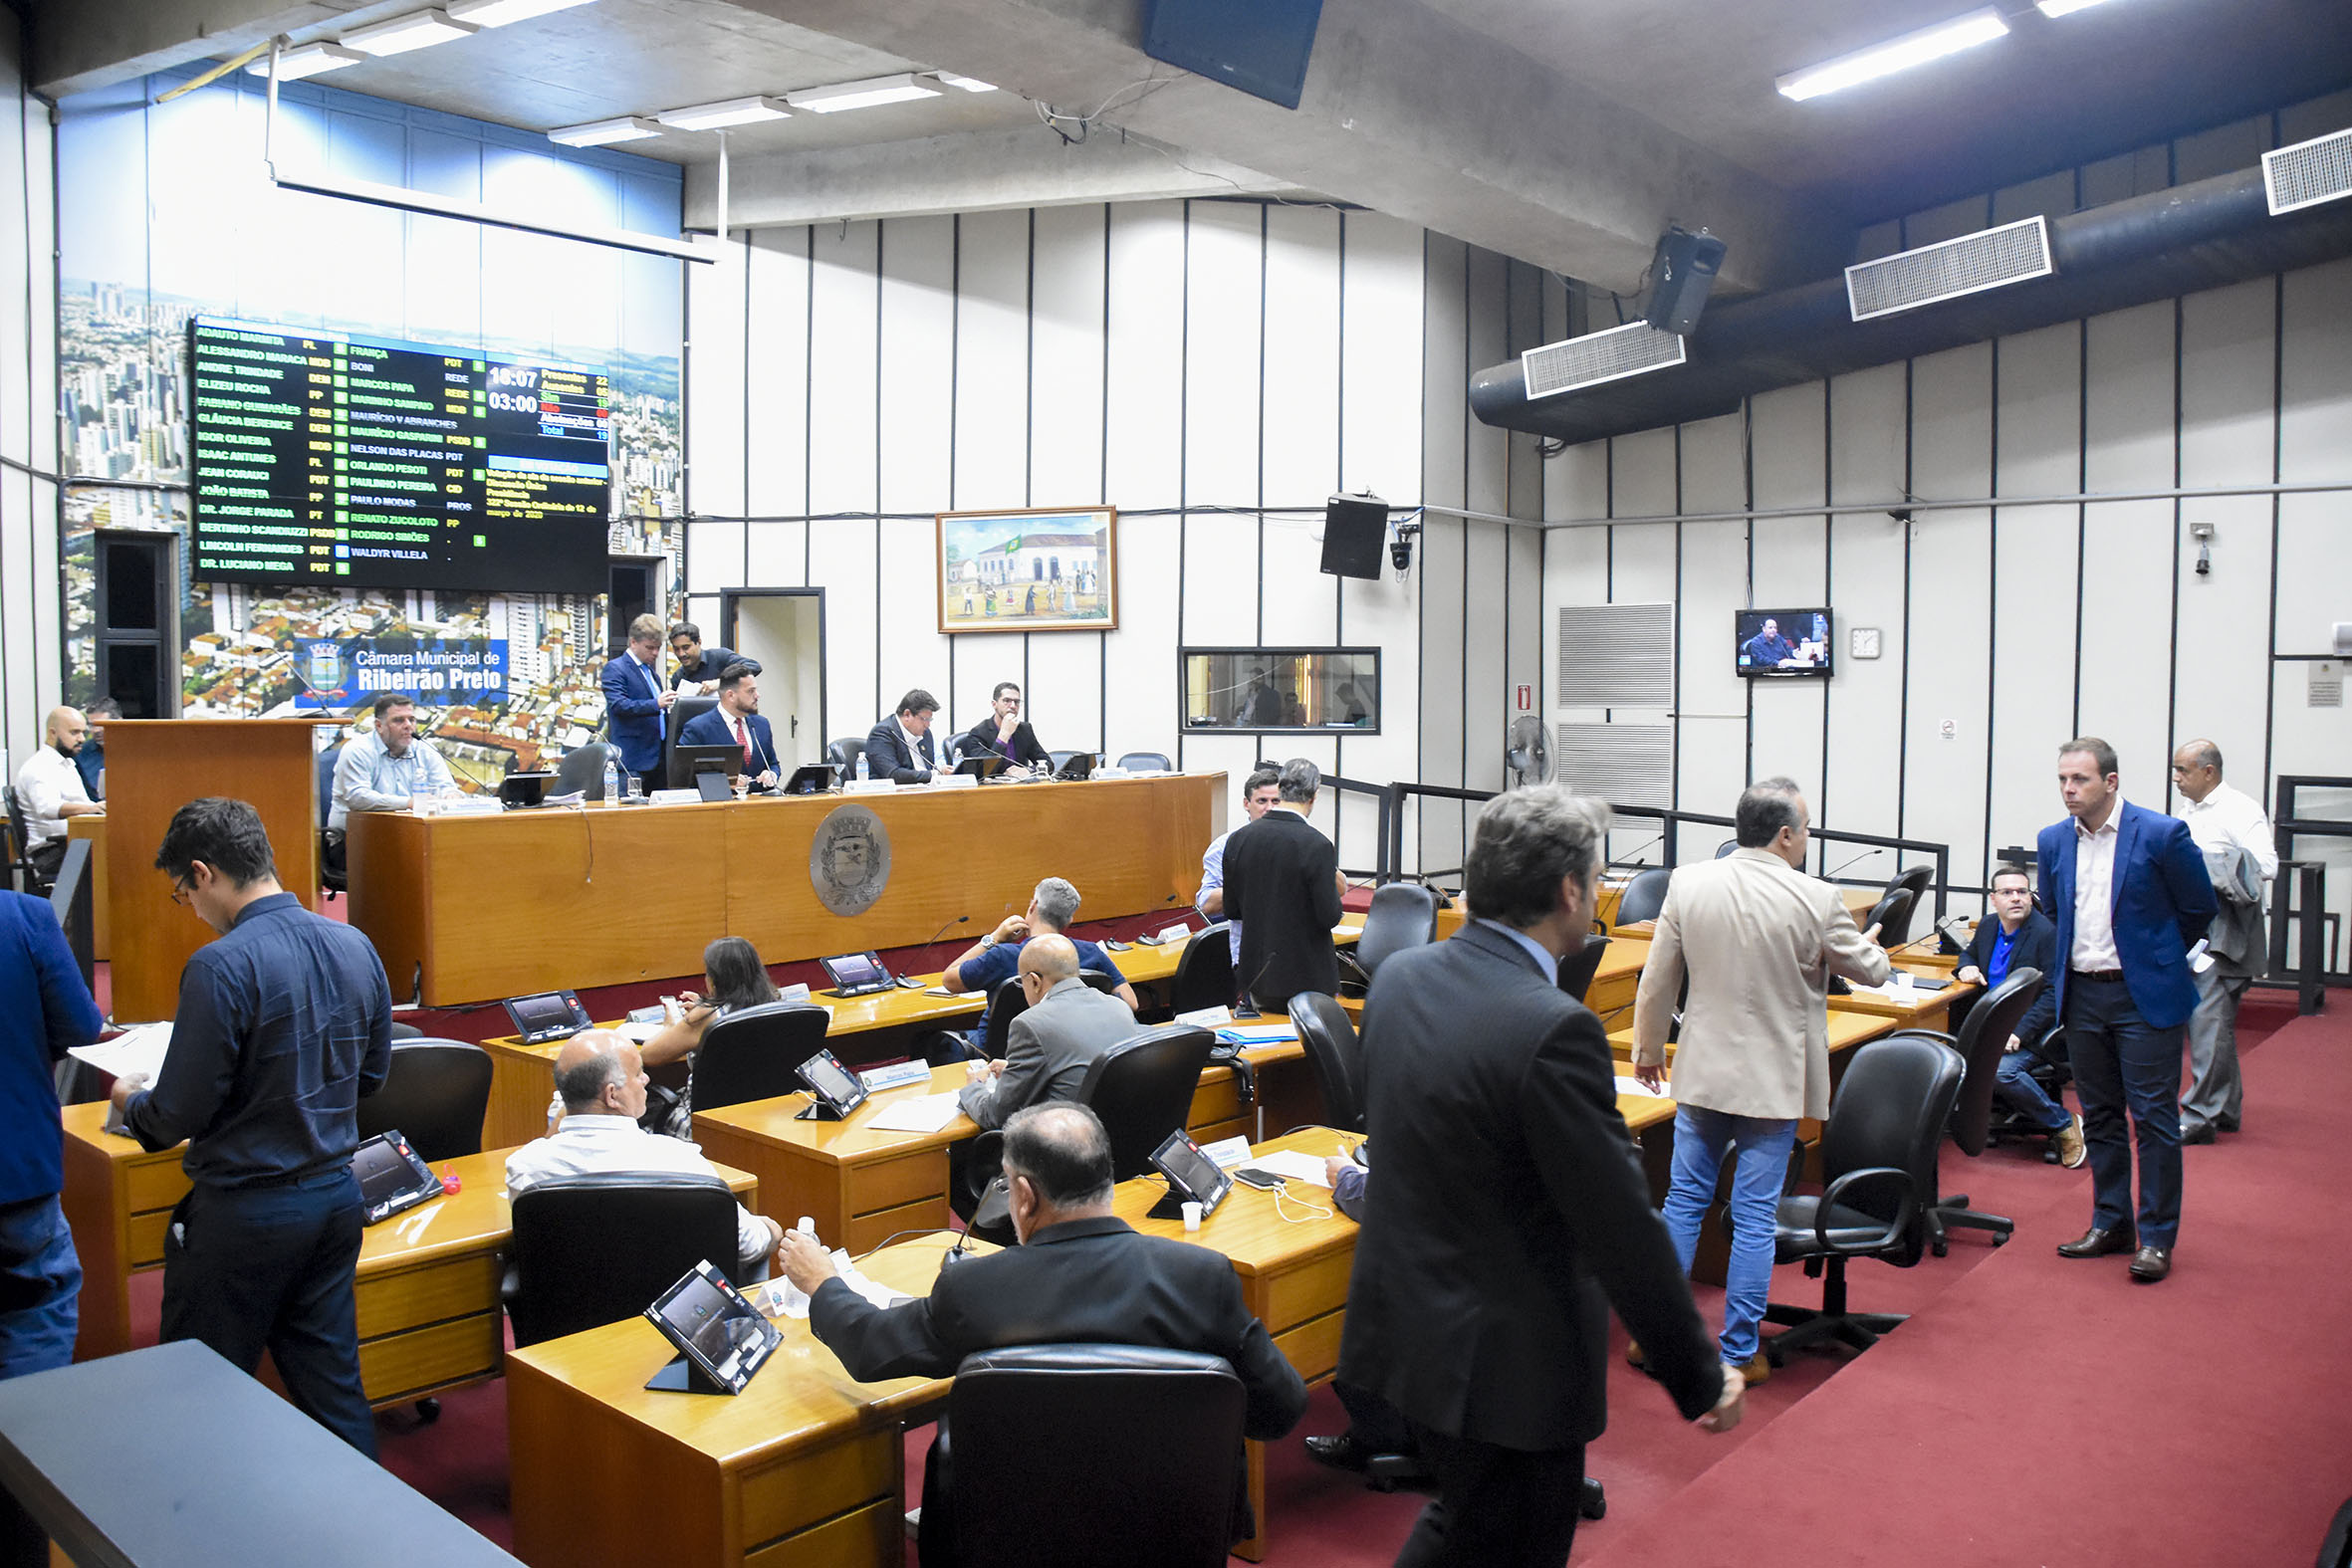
1260,792
382,770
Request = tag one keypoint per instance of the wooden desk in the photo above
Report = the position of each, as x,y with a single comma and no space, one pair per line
1846,1031
93,829
426,1282
806,1466
862,1187
1927,1009
1613,983
474,907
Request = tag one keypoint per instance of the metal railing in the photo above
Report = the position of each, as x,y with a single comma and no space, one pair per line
1393,848
2300,907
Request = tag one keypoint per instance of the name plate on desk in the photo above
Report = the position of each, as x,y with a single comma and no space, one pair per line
955,782
868,786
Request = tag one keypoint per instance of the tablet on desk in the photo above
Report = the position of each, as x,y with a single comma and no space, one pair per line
392,1177
857,973
549,1016
720,1335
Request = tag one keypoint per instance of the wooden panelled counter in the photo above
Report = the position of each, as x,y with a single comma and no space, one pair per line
488,906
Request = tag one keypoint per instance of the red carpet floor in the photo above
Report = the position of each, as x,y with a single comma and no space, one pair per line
2034,1410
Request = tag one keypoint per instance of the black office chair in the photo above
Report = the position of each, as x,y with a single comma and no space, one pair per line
1143,1089
1097,980
1332,1050
1009,1003
843,754
434,1095
1725,848
1162,1493
1132,760
324,765
1878,1161
1644,896
2054,1070
2336,1550
1920,880
1892,915
682,712
22,878
1403,915
1204,971
1983,1037
1576,970
753,1054
595,1250
582,771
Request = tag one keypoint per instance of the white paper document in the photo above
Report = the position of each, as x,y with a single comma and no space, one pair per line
138,1050
1627,1085
879,1294
921,1113
1292,1165
1228,1152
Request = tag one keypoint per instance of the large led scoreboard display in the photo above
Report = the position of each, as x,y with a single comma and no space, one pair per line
355,462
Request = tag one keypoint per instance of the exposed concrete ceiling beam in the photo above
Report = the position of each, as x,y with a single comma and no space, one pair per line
1405,110
979,171
78,45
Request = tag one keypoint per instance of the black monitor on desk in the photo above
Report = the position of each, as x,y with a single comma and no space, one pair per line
688,761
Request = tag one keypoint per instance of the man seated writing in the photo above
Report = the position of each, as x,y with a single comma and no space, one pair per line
603,1084
992,961
1048,1048
1081,1275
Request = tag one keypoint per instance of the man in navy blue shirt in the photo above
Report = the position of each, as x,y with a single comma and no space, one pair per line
45,1011
283,1024
1767,648
2018,936
996,958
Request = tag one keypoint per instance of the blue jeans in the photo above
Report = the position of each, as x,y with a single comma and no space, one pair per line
1762,1171
2021,1089
40,1287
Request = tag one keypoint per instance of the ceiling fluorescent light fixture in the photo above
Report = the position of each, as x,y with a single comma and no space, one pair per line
498,13
1898,54
2064,7
900,89
307,60
718,117
975,85
416,30
604,133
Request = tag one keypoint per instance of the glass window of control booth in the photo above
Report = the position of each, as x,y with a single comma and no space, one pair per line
1275,690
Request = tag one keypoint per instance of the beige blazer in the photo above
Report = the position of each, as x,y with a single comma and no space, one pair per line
1759,941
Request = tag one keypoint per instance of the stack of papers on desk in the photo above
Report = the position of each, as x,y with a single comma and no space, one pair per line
1292,1165
1627,1085
917,1113
138,1050
879,1294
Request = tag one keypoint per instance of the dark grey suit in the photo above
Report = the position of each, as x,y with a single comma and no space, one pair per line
1048,1051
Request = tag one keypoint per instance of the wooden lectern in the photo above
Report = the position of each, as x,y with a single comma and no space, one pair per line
153,768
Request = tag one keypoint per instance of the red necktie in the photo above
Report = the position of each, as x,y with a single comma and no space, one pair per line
743,732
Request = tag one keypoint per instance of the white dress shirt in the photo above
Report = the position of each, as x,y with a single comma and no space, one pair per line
48,781
595,1145
2094,895
2229,816
368,778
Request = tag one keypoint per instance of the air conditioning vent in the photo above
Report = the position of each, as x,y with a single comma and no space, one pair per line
1622,764
1616,655
1595,358
2308,174
1993,259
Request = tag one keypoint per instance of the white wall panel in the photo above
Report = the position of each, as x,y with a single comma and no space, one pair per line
1145,395
918,337
842,562
1303,394
716,345
1485,699
842,354
774,368
776,556
1065,345
1444,384
1486,448
1222,313
1380,387
1943,795
911,650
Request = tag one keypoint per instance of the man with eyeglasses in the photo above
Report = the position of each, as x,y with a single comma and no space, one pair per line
1048,1048
2018,936
283,1024
1004,733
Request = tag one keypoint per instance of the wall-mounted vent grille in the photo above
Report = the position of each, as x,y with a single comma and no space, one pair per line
1622,764
1616,657
2012,253
1595,358
2308,174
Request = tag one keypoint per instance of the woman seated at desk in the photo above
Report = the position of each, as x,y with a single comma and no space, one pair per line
731,968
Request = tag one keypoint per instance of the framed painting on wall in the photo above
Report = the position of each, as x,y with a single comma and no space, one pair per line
1055,569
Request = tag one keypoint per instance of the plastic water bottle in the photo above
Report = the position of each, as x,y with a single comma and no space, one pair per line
796,1300
611,782
863,772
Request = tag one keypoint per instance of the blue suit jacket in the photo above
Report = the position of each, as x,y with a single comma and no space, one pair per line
710,729
633,712
887,755
2034,946
45,1010
2163,902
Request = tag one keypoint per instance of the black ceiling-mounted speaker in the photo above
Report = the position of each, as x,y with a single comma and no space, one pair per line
1258,46
1354,528
1681,274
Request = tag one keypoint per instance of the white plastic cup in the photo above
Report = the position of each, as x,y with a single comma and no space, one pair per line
1903,982
1192,1216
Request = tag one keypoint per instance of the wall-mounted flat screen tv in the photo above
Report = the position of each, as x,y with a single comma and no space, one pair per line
370,463
1781,642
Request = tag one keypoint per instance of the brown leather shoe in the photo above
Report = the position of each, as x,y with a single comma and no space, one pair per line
2098,1241
2151,1264
1754,1370
2072,1150
1633,1355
